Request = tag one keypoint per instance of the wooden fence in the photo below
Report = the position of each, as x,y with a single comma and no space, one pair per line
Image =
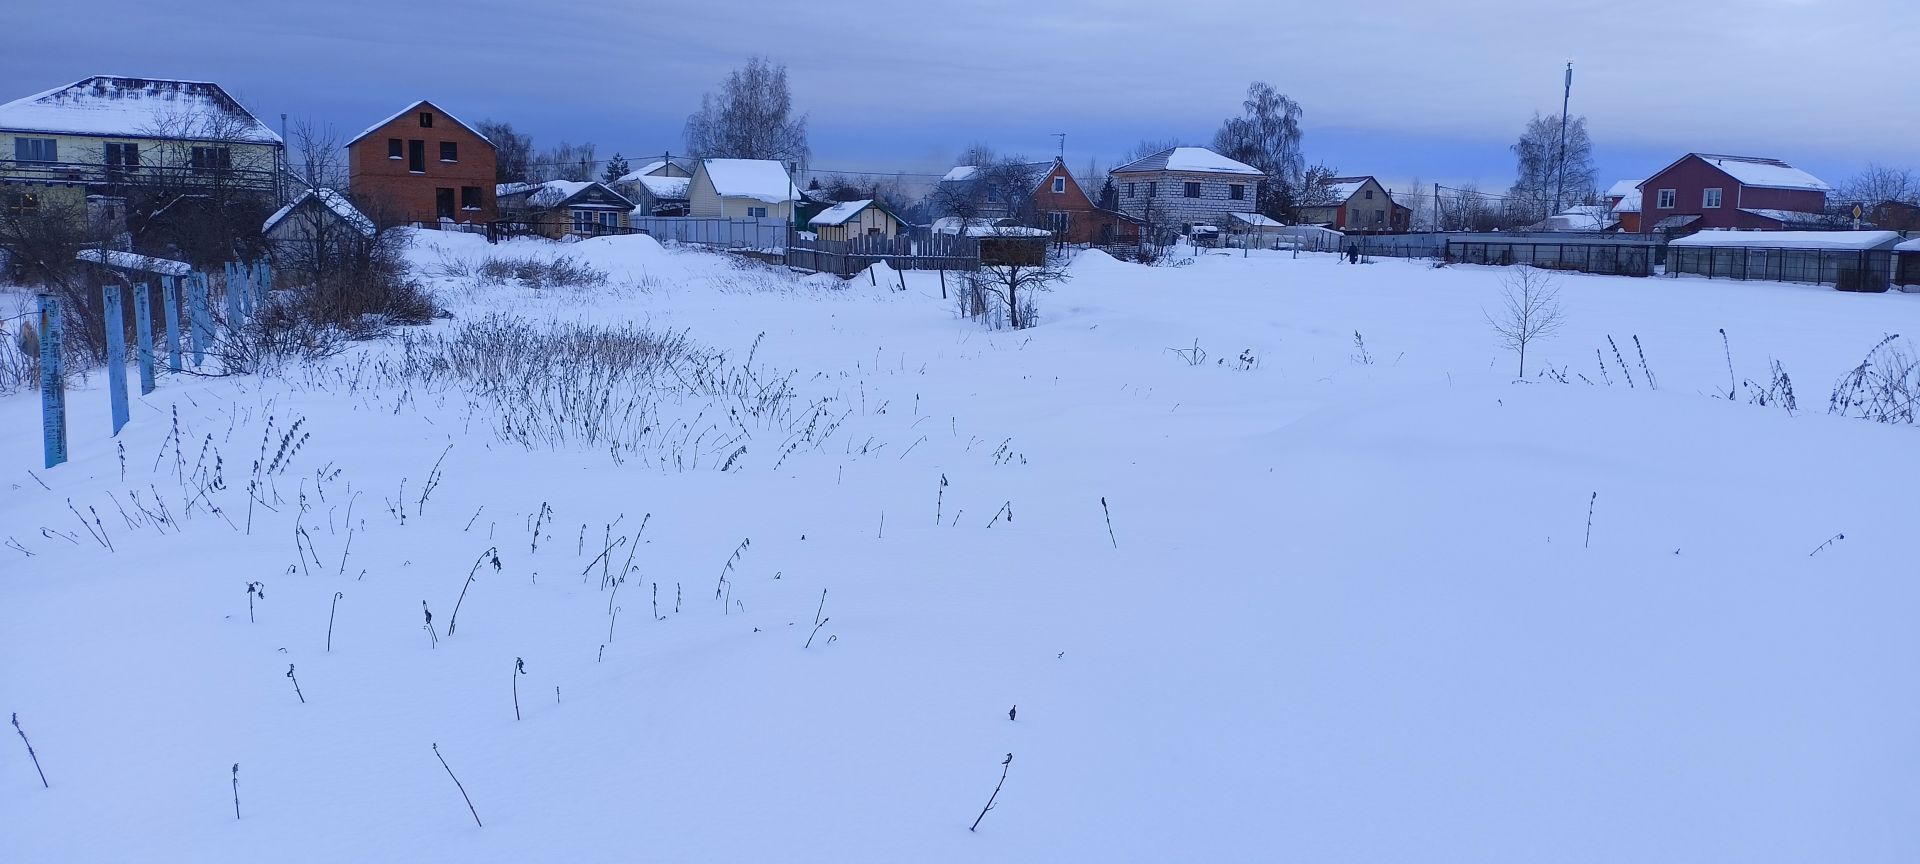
905,252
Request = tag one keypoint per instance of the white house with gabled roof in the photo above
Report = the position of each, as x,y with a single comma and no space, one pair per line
741,189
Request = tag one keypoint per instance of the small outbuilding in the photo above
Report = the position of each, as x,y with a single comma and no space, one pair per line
561,208
850,219
1847,260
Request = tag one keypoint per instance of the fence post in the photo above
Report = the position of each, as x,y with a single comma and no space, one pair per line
114,316
143,334
170,296
53,385
234,313
199,301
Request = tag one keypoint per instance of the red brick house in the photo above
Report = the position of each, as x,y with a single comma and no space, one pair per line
423,165
1073,217
1703,190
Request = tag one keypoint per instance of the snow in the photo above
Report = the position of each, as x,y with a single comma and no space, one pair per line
953,225
1768,173
443,115
1583,217
759,179
1792,239
1202,159
1254,219
130,261
1629,203
1908,245
548,194
333,201
667,188
839,213
962,172
112,105
1341,191
1349,611
1624,189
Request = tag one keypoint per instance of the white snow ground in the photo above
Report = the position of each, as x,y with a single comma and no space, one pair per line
1351,615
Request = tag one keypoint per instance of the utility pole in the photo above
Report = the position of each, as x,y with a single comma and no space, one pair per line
1063,145
1560,179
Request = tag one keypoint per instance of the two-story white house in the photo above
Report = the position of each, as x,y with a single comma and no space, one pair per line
1185,186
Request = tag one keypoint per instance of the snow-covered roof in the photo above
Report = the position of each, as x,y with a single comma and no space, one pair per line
1844,240
1908,245
330,199
679,162
990,230
760,179
1766,173
841,213
120,106
411,109
1623,188
1342,188
960,172
130,261
553,193
667,188
1585,217
1629,203
1254,219
1796,217
1194,159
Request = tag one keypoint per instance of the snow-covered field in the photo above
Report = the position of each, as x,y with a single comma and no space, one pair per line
1348,610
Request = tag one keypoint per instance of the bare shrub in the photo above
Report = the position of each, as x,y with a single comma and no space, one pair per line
1883,388
538,273
1529,311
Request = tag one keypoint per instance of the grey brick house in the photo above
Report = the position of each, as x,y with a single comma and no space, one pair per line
1184,186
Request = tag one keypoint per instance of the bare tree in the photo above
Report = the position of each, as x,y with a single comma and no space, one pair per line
751,118
316,155
1002,189
203,188
1148,147
1542,174
513,151
1010,287
565,161
1887,195
1529,311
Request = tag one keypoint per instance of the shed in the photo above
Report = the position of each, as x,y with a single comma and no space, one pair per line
1907,264
849,219
319,227
558,208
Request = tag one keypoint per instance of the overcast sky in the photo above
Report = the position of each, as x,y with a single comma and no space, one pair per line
1433,89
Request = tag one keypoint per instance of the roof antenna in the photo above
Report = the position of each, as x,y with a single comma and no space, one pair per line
1063,144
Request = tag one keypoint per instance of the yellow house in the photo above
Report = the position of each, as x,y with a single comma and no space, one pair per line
741,189
850,219
102,137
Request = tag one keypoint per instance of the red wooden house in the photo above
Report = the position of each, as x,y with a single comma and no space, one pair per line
1073,217
1704,190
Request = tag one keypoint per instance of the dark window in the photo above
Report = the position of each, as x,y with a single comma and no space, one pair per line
211,159
1129,190
36,149
395,149
417,157
1193,190
122,155
443,203
1369,194
426,120
1153,189
449,151
609,220
1059,184
23,204
1237,192
470,198
583,222
1057,222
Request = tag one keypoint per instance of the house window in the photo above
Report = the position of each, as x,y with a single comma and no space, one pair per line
426,120
470,198
395,150
443,203
211,159
1369,194
1192,190
417,157
582,222
1665,199
122,156
449,151
757,212
1379,217
609,220
23,204
1059,184
1237,192
1153,189
1057,222
1710,199
36,149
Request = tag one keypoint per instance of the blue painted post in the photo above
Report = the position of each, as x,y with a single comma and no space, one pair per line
200,312
53,384
115,315
266,281
235,314
143,335
170,294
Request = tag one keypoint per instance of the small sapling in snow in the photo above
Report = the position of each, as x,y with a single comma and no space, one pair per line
996,792
331,608
296,684
818,622
1013,713
519,669
1589,541
236,790
611,620
30,754
939,498
1109,514
254,589
457,785
434,638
